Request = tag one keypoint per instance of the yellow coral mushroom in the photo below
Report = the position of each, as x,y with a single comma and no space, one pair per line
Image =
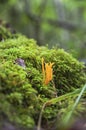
47,72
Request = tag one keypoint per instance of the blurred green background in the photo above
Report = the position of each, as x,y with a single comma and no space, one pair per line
56,23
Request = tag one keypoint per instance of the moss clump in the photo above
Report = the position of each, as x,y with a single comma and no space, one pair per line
21,80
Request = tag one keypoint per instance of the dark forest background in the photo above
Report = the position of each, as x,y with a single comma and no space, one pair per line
56,23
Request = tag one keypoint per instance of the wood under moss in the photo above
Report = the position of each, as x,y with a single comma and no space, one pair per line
22,91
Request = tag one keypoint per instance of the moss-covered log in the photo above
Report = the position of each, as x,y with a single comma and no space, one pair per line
22,91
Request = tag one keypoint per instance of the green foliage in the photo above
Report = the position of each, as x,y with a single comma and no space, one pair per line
60,23
67,108
23,89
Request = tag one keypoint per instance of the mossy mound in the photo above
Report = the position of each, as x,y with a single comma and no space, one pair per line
22,91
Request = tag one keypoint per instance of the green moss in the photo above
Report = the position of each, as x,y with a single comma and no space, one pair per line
23,88
6,33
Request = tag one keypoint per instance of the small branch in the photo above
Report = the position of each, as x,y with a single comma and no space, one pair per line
63,24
